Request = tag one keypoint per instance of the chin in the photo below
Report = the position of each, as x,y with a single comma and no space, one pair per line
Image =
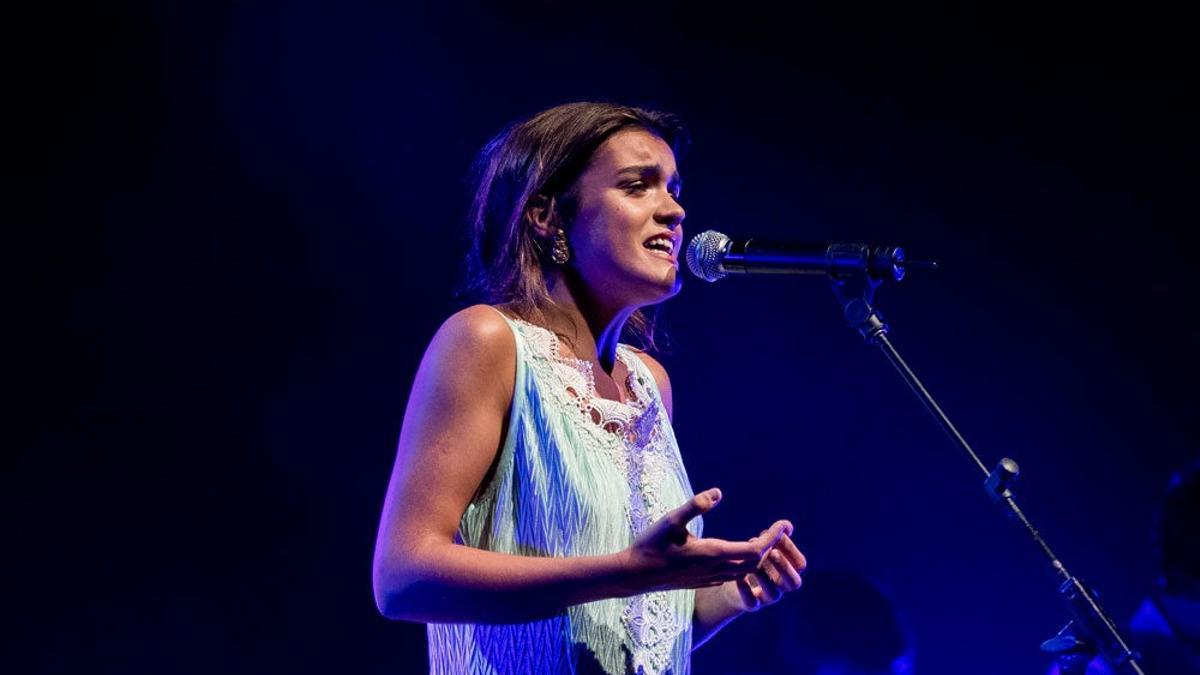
667,290
641,288
676,286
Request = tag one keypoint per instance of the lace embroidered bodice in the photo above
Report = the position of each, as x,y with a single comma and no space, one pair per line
577,474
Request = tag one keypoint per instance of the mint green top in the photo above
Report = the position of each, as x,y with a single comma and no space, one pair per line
577,475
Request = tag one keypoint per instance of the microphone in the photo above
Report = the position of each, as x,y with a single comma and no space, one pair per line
712,255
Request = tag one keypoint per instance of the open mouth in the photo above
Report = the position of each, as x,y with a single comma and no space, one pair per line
661,244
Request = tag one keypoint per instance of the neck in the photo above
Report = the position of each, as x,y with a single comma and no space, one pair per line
593,326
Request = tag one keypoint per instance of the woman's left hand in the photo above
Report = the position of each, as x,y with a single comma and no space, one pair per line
778,573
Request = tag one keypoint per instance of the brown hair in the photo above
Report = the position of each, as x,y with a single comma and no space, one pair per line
543,155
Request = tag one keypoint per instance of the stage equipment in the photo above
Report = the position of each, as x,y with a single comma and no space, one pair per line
854,272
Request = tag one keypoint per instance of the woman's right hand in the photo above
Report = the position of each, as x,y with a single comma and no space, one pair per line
667,556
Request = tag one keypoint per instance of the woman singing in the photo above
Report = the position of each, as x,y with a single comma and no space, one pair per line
539,517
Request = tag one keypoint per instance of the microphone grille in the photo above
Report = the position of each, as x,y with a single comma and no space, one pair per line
704,255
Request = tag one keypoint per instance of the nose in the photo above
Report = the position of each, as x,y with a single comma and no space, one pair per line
670,212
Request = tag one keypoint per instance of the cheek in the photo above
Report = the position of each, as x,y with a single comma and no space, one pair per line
606,232
622,226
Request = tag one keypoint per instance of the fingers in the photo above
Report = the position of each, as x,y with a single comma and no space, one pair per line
774,537
749,552
757,590
748,593
767,584
731,550
781,572
766,541
699,504
768,592
778,572
788,548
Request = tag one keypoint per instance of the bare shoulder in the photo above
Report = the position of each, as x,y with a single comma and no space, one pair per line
479,344
453,426
477,326
660,378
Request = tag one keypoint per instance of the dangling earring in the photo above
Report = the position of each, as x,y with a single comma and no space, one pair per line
560,254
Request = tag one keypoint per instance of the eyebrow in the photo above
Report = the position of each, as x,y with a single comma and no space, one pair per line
655,170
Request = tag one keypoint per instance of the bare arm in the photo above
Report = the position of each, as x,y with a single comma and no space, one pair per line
452,429
714,609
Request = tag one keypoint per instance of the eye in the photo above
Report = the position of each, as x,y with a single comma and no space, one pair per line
636,186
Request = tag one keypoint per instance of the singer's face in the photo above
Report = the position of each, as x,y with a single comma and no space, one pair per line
627,231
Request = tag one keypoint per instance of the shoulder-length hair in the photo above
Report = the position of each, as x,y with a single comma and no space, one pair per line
543,155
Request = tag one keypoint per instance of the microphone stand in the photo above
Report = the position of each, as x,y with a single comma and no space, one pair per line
1090,630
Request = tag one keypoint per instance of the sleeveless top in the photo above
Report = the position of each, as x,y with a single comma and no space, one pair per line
576,475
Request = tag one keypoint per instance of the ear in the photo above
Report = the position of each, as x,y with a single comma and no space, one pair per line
542,213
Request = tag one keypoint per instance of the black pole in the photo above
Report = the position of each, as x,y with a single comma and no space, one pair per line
1098,632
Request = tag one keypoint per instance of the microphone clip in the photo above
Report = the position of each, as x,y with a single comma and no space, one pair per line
856,295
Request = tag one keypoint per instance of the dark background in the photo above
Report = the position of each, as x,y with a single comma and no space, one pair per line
238,224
